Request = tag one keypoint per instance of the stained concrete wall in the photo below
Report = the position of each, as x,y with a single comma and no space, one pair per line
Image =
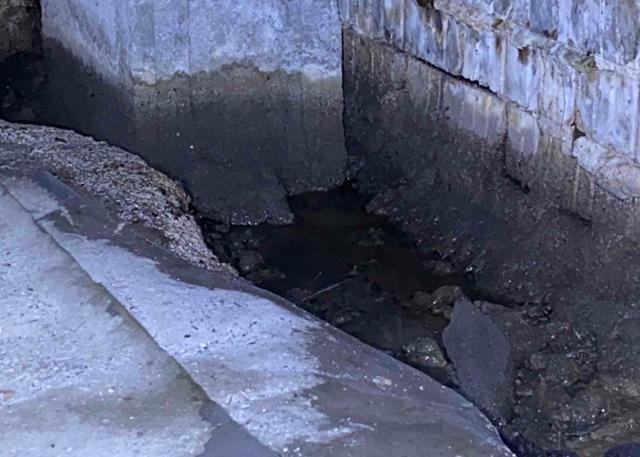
19,21
550,86
243,103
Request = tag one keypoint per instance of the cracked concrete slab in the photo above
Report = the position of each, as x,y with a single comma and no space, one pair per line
296,384
78,375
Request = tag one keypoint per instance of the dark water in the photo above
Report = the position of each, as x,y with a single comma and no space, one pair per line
363,275
350,268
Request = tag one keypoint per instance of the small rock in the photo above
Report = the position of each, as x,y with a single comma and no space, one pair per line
222,228
440,268
339,317
267,274
537,361
443,299
439,302
581,414
538,313
297,294
425,354
249,260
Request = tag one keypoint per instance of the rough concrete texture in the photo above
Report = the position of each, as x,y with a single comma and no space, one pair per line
557,82
296,384
19,27
79,376
182,83
124,183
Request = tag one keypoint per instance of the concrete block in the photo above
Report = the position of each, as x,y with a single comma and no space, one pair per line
482,357
543,17
453,36
484,53
419,34
581,24
621,35
523,74
616,173
557,89
393,14
474,111
523,132
607,108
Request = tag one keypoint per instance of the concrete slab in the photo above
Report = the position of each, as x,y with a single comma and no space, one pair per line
78,376
296,384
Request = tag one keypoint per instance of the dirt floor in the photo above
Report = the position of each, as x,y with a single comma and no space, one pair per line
555,305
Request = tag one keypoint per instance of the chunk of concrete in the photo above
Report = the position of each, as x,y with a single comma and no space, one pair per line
482,358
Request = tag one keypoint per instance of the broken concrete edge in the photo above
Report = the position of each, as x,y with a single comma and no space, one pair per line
135,192
482,358
296,384
258,137
80,348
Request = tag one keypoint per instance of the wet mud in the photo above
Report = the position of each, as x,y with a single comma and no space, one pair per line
538,372
352,269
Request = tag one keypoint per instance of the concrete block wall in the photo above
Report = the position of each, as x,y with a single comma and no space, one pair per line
245,103
563,74
19,20
240,100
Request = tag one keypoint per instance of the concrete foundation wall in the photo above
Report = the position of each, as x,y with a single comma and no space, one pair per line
553,86
244,104
19,21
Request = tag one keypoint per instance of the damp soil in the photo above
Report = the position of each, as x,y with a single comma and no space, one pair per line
363,274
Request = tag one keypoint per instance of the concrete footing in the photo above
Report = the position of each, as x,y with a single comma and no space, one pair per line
242,119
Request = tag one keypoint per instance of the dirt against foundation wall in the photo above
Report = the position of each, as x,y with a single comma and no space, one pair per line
439,156
19,27
567,84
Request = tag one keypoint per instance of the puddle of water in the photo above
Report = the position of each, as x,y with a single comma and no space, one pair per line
348,267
